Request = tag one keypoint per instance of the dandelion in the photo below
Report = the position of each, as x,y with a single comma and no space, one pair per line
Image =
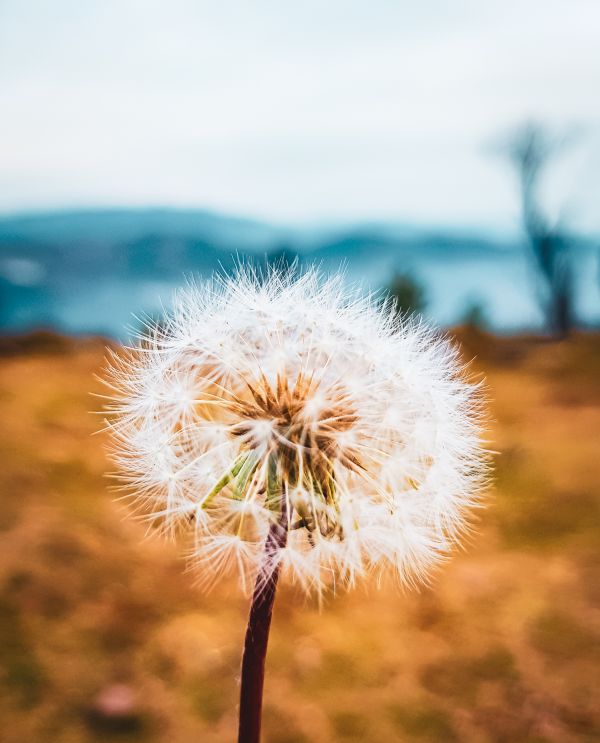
295,428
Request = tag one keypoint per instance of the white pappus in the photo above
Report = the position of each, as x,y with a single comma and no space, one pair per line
289,399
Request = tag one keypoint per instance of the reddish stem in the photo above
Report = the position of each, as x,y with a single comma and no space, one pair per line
257,634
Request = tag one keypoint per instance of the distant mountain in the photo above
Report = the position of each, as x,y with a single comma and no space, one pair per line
366,243
152,241
169,242
114,226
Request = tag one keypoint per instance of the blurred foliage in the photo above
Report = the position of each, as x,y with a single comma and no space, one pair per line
408,293
475,316
104,638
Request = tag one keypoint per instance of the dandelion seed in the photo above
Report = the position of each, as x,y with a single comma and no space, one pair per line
292,426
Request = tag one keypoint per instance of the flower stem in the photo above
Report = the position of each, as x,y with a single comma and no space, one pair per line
257,632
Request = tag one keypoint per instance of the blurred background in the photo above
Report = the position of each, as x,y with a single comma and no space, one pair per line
448,153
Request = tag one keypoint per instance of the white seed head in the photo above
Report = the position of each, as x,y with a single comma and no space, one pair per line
289,398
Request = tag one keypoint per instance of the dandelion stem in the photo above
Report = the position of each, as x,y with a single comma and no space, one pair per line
257,631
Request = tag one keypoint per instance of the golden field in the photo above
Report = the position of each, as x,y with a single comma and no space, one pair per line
103,637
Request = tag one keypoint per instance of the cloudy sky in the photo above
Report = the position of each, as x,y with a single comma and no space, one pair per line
311,110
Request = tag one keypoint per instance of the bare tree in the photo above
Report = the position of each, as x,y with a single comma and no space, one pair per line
529,149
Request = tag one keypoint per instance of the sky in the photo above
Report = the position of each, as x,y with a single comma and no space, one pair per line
298,112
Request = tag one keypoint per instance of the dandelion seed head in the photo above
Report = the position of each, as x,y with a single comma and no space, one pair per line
290,394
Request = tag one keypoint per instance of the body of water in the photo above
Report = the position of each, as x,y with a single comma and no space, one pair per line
501,285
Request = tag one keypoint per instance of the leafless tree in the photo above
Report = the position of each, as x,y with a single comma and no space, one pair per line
529,148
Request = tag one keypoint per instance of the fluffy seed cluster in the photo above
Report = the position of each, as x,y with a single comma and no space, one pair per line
290,400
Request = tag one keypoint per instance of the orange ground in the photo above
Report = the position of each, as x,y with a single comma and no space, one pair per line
102,636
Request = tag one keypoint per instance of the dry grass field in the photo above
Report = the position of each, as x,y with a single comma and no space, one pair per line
104,638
